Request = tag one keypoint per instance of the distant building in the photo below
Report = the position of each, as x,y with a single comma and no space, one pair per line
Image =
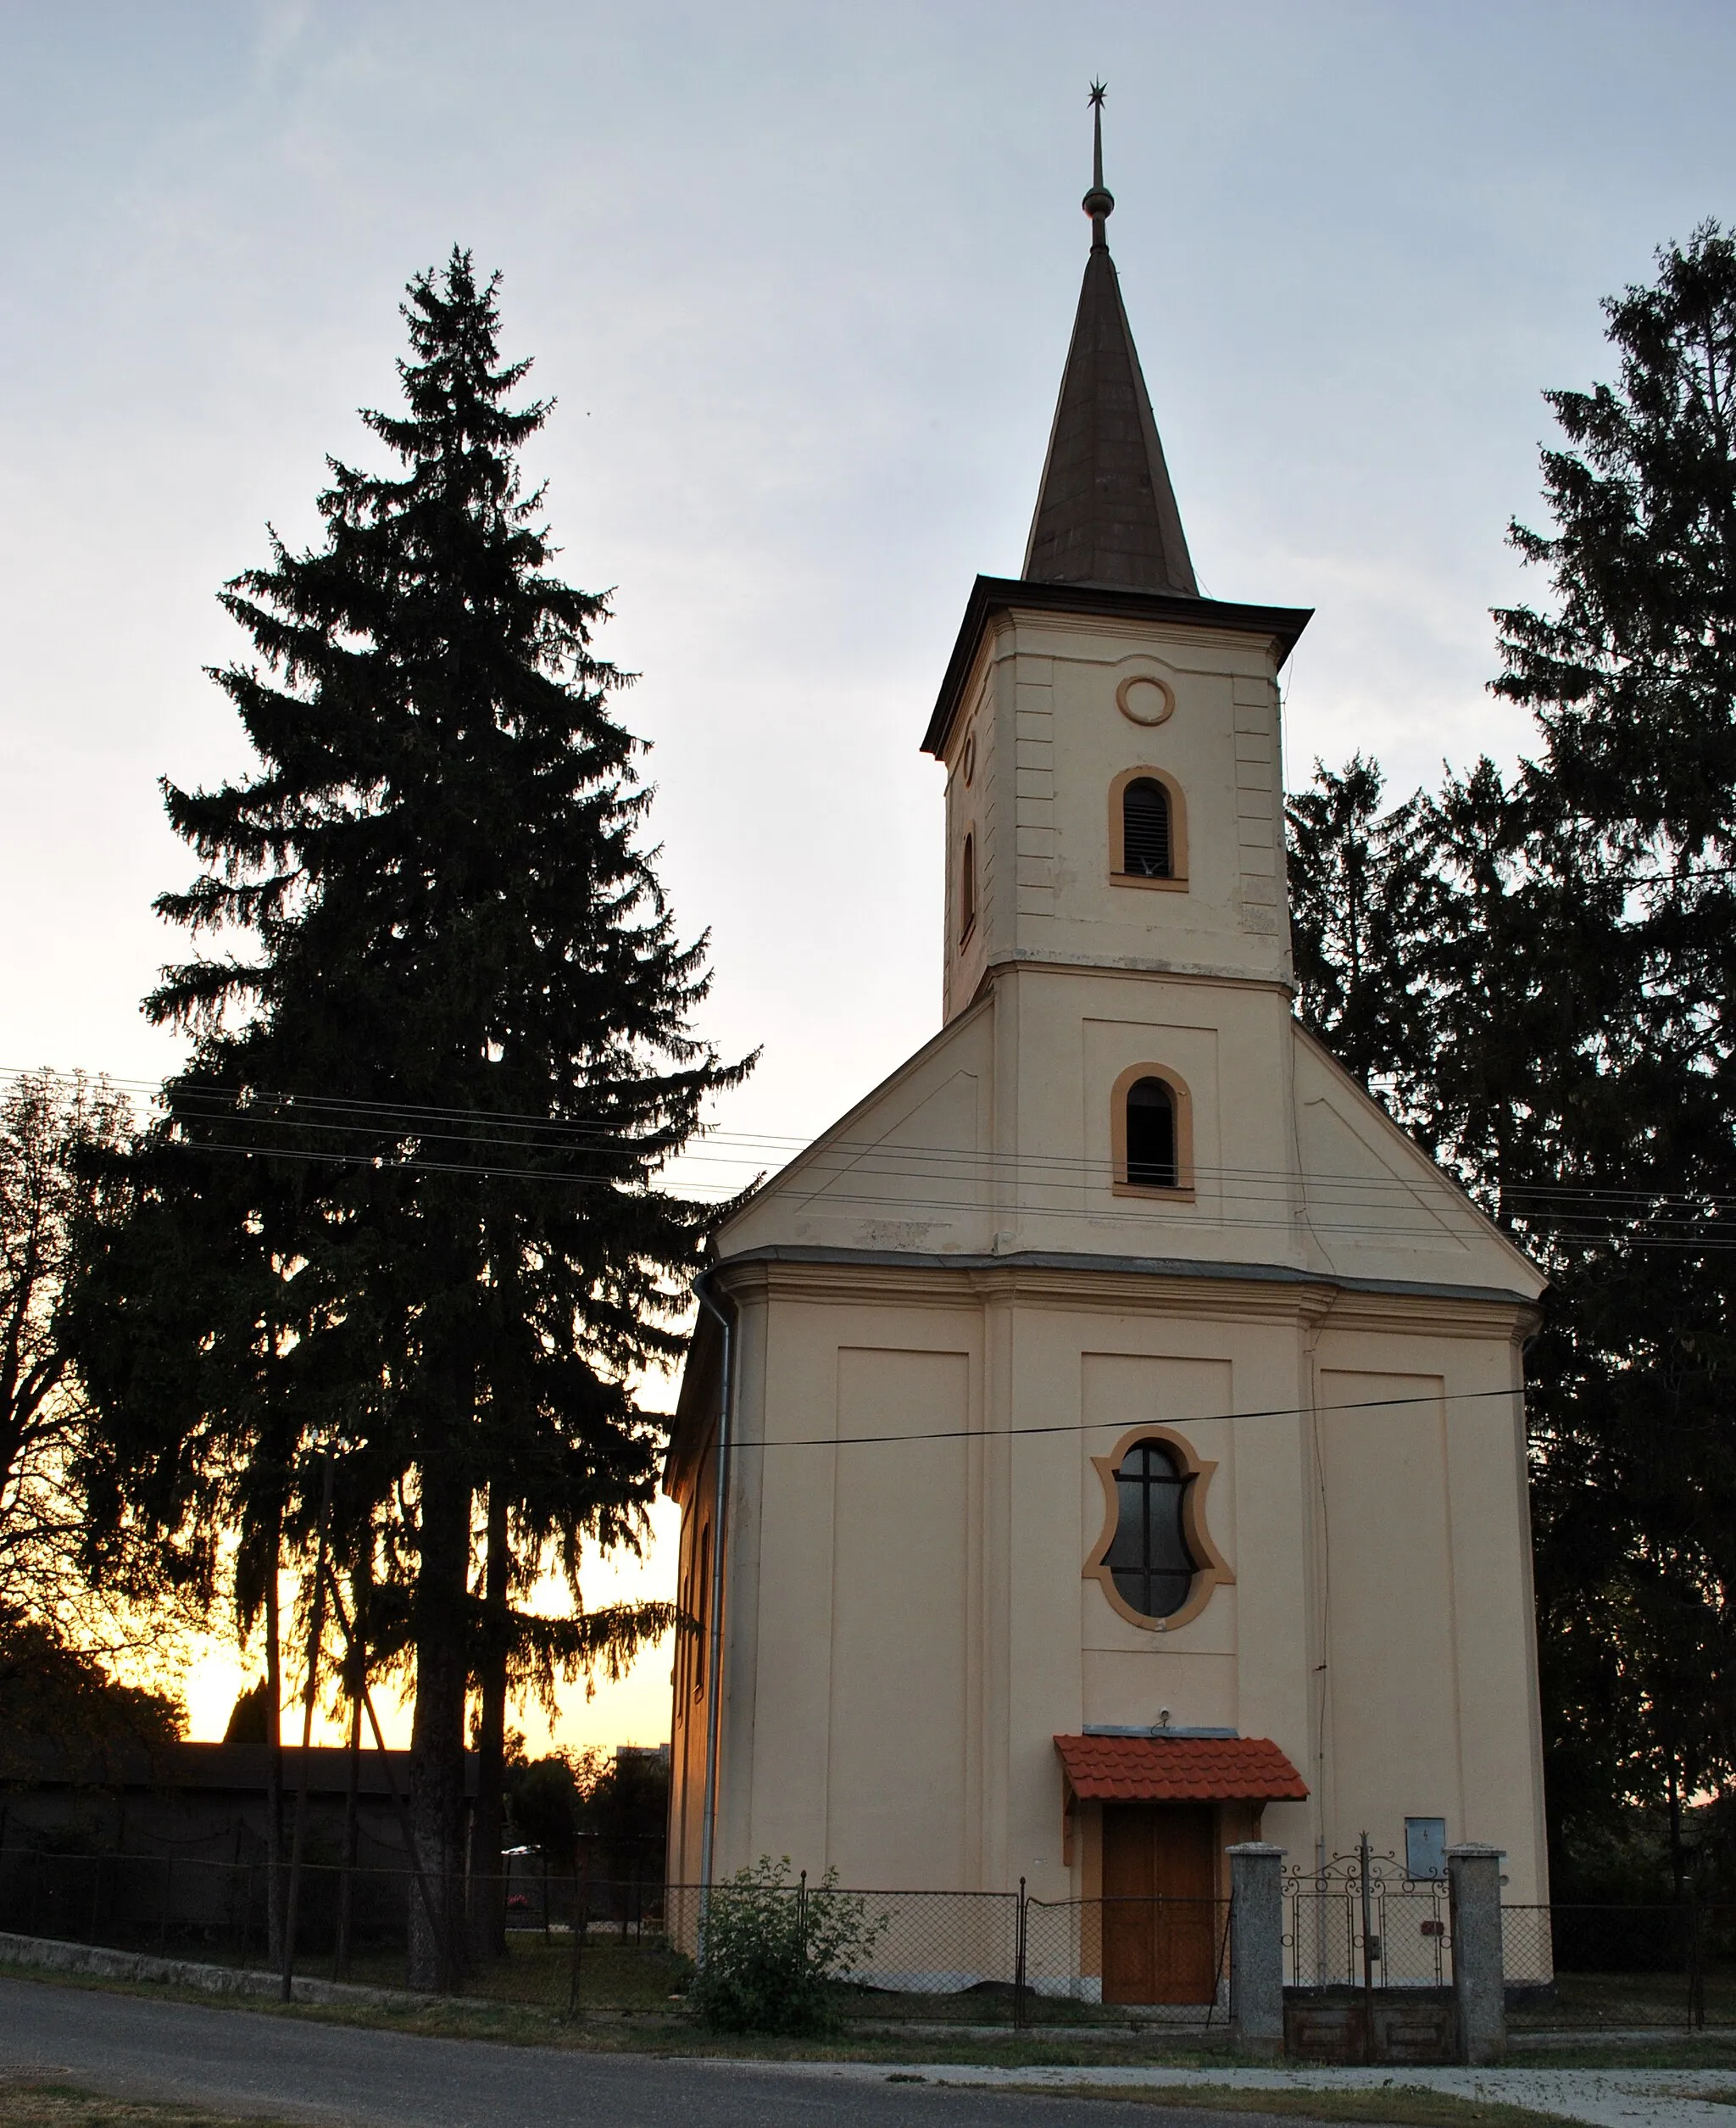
1128,1454
643,1755
137,1844
206,1802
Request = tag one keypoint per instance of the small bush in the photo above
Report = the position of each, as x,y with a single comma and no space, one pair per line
774,1950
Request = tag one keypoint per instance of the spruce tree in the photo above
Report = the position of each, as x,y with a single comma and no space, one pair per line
1363,903
1631,673
459,1049
216,1355
1575,980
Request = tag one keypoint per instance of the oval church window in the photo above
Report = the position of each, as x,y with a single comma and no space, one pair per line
1149,1558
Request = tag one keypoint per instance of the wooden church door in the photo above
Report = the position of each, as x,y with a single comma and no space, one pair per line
1160,1914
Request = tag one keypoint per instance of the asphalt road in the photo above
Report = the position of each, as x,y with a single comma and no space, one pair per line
240,2061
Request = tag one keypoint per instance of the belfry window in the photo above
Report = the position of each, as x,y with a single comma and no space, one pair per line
1147,844
967,888
1151,1136
1148,1558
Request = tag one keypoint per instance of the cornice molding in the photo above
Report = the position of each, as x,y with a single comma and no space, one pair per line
1046,960
1280,625
1151,1286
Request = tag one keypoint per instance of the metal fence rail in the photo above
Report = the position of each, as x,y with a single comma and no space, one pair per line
1004,1959
1621,1968
564,1943
513,1937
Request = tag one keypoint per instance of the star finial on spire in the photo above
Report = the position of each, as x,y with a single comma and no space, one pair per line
1098,202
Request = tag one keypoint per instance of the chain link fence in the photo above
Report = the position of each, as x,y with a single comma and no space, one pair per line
536,1937
565,1943
995,1958
1614,1968
571,1943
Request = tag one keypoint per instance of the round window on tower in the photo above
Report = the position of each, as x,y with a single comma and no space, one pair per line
1143,699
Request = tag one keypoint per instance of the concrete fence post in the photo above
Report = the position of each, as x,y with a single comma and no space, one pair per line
1257,1948
1474,1884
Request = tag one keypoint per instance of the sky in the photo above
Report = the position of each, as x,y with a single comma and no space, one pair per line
800,278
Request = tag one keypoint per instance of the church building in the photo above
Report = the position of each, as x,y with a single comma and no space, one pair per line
1106,1443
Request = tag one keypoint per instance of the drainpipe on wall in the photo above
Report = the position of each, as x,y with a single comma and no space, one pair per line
713,1657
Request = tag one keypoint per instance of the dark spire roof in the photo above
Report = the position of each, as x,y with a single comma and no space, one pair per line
1105,511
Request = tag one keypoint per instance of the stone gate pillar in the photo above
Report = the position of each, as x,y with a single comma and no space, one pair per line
1474,1883
1257,1946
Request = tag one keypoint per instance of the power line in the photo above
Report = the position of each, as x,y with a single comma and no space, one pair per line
989,1434
867,1155
1568,1212
1566,1226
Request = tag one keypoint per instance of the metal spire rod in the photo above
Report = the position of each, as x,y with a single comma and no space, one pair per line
1099,90
1098,202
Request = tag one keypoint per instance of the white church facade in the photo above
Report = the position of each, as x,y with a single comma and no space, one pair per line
1122,1430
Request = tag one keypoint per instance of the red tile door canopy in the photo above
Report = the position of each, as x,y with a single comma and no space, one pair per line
1179,1770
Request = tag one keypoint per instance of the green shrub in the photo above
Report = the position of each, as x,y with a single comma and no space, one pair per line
775,1949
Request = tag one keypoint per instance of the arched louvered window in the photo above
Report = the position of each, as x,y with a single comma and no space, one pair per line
1148,1559
1148,848
1151,1135
967,887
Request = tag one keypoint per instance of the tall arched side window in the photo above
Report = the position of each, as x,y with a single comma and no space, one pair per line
702,1608
1151,1133
1147,831
967,888
1156,1561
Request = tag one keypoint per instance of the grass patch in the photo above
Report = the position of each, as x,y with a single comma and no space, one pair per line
515,2025
38,2105
1392,2105
1703,2050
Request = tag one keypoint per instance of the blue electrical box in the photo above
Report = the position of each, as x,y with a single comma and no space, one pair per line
1425,1848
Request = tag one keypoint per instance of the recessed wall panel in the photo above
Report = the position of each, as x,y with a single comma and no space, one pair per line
1387,1585
899,1611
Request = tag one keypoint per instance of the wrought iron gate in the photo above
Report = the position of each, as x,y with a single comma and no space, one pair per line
1368,1961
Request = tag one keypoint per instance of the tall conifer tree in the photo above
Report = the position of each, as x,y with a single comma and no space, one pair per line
1632,677
1577,979
460,1045
1362,901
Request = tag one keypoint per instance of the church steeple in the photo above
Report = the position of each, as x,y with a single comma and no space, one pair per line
1105,511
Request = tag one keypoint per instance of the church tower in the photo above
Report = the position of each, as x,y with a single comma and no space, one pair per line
1176,797
1106,1442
